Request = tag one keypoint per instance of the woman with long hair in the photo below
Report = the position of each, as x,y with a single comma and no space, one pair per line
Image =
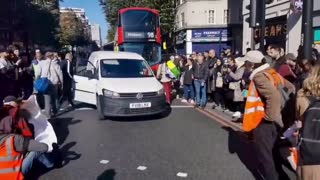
308,95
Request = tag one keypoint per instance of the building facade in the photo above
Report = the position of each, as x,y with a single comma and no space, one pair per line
283,25
208,24
96,34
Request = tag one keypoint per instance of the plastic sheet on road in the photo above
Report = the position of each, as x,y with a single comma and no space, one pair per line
43,130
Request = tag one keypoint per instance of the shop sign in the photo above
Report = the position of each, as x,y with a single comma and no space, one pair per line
275,27
210,34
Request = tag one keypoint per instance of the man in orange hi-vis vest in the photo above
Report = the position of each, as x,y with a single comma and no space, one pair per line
262,115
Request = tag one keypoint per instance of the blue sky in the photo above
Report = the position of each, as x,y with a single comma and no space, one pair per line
93,11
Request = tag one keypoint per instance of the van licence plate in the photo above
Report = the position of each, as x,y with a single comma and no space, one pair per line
140,105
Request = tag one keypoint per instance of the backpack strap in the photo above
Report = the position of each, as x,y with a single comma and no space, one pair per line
274,77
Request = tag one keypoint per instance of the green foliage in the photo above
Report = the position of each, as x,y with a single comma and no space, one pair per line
71,30
42,23
165,7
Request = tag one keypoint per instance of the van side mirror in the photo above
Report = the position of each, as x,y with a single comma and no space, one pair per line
91,74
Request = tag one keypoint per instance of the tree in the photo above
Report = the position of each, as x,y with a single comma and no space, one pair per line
72,32
165,7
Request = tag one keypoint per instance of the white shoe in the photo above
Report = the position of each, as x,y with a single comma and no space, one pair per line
184,101
236,115
192,102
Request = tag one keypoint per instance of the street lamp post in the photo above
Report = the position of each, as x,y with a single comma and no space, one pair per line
307,23
262,24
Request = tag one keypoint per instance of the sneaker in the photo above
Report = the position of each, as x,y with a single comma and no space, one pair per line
236,115
192,102
184,101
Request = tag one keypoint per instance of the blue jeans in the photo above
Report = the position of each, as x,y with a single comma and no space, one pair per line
44,158
201,93
188,92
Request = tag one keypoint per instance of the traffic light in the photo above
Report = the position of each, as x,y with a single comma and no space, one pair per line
253,19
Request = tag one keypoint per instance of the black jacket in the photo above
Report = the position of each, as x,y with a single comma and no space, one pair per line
201,71
188,73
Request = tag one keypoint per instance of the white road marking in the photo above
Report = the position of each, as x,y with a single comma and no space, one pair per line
82,109
104,161
179,106
142,168
182,174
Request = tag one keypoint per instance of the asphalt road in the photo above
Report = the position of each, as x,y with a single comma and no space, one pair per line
185,145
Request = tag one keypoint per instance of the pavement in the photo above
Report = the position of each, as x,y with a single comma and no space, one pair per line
187,144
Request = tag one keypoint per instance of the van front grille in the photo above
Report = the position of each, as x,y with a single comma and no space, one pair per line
134,95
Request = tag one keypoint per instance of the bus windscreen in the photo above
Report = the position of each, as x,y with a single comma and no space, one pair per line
136,20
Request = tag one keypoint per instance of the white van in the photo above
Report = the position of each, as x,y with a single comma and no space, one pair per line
119,84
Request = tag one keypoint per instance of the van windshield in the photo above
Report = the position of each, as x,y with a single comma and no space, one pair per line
124,68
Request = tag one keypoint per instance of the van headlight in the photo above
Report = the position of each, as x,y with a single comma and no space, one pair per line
161,91
111,94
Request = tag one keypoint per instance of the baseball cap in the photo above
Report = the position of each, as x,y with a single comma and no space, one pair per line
291,56
9,99
254,57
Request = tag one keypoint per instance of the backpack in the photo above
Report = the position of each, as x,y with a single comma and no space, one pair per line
310,135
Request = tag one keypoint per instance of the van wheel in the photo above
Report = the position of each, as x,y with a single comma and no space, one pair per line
99,109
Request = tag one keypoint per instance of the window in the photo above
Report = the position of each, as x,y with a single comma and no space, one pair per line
182,20
178,21
125,68
226,16
211,17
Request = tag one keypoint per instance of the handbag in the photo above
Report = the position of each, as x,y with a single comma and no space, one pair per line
219,82
234,85
42,84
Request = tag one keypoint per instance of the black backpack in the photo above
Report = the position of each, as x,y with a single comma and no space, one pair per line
310,135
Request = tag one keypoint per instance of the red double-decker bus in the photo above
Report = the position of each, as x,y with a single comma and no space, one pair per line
139,31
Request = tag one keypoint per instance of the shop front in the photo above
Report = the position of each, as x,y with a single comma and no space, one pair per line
275,32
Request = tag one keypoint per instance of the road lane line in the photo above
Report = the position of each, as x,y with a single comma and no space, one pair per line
82,109
142,168
182,174
181,106
104,161
220,120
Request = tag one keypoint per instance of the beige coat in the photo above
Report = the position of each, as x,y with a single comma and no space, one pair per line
237,76
269,93
308,172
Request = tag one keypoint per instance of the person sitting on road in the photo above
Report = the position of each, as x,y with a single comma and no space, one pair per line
21,127
13,146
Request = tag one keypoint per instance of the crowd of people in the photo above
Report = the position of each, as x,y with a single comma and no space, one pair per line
20,76
224,80
274,95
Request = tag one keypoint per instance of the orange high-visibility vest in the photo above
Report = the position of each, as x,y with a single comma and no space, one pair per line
255,108
10,160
